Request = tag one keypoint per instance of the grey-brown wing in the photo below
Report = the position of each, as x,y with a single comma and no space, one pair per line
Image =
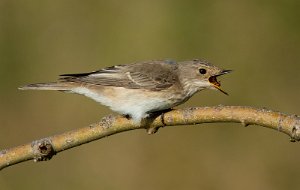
154,75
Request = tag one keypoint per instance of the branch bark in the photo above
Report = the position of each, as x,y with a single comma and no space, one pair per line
44,149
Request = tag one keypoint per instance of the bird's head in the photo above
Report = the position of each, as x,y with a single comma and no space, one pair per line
198,75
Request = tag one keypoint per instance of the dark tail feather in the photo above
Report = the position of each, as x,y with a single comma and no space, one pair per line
46,86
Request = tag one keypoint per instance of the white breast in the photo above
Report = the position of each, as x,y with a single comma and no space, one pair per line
134,102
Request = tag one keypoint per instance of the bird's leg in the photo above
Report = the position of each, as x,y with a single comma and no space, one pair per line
162,119
162,115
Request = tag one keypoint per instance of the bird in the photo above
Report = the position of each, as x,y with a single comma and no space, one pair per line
139,89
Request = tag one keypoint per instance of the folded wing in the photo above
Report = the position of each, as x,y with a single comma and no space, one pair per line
154,75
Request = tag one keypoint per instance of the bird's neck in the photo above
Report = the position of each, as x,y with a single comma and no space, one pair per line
190,88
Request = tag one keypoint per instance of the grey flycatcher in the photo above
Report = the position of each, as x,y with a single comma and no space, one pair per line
141,88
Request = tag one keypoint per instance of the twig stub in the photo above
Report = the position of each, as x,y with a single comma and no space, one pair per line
43,150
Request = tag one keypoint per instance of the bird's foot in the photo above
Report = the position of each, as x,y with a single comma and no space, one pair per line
162,116
154,115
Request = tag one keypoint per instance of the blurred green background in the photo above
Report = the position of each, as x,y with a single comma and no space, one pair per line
259,40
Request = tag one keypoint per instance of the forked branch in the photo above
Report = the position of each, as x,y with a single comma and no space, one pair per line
44,149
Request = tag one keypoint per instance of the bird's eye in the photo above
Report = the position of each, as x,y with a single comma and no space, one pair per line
202,71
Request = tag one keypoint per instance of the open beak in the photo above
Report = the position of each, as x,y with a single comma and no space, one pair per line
213,80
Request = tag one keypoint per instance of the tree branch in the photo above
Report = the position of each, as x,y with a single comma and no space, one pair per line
44,149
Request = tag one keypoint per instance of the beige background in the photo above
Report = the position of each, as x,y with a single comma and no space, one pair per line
259,40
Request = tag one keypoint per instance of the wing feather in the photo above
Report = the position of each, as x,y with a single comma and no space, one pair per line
154,75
